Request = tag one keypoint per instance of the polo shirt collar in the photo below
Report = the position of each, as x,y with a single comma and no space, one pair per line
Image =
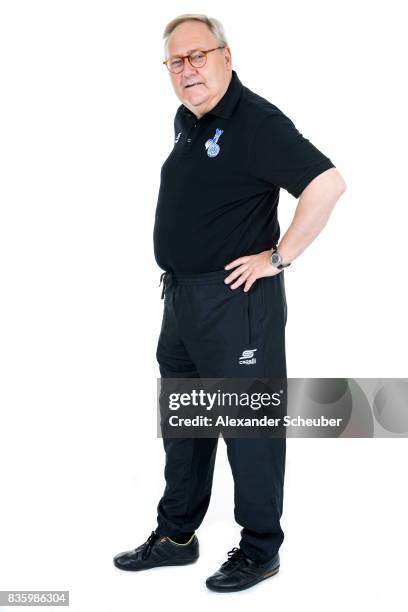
226,105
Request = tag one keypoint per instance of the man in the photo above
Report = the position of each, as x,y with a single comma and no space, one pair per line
215,236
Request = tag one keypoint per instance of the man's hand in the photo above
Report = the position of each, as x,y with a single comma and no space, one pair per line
249,268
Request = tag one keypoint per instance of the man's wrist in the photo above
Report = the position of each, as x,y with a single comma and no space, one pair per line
277,260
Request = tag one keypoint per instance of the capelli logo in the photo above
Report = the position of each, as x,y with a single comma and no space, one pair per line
247,357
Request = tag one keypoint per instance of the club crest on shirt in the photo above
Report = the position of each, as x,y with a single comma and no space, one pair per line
212,146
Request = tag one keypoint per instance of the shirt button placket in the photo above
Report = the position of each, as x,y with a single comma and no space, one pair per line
189,140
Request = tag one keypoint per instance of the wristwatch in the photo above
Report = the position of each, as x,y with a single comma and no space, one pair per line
276,259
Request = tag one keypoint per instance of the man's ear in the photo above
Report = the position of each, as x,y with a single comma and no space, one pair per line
228,57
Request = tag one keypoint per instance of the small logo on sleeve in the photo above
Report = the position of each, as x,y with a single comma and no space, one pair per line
212,146
177,137
247,357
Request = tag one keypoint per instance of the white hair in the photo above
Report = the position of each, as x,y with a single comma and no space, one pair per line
214,25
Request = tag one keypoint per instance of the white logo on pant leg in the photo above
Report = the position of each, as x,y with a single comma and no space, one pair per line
247,357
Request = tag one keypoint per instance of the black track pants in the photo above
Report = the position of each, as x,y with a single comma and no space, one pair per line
206,327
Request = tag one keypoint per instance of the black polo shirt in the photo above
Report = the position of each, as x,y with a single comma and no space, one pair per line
219,187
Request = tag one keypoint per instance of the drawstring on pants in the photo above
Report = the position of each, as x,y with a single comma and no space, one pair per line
163,278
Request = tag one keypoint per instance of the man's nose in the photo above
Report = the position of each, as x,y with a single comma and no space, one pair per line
188,69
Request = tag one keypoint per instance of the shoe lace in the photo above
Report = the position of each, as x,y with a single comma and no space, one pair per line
235,555
147,547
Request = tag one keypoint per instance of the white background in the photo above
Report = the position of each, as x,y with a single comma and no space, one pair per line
86,112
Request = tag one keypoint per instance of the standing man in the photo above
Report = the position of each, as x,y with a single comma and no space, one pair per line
216,237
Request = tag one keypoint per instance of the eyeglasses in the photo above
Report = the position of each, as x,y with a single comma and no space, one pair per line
197,59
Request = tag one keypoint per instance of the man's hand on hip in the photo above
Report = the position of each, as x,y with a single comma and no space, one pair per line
249,268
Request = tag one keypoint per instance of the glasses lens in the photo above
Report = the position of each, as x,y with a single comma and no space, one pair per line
175,64
197,59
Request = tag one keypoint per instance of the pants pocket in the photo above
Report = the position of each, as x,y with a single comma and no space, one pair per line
247,313
253,311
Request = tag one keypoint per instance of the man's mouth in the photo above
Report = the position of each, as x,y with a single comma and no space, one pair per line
193,84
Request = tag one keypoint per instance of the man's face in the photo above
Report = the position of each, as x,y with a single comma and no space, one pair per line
210,81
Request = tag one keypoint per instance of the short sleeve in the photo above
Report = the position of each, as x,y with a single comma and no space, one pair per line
281,156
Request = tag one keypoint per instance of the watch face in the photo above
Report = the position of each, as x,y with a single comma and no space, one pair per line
275,259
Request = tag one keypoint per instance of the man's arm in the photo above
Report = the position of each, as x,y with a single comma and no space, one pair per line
314,208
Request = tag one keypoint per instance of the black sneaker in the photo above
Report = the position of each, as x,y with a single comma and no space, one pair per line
157,551
239,572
